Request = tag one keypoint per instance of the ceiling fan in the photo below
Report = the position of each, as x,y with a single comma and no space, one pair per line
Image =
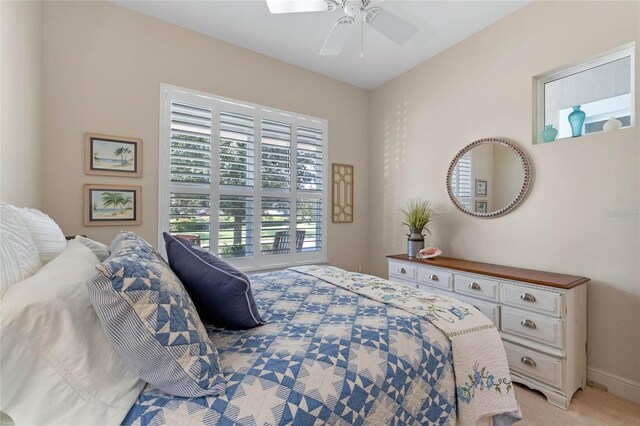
381,20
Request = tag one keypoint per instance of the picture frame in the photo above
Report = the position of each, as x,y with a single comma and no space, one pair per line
481,188
481,206
106,205
107,155
342,176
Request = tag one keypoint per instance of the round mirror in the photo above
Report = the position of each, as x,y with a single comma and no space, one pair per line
488,178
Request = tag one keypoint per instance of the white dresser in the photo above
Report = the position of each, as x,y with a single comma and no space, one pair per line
541,316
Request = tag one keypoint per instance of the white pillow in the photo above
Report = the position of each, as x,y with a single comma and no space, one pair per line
99,249
18,253
56,363
47,235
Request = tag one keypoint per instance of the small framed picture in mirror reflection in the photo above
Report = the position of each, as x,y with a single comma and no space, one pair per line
481,188
481,206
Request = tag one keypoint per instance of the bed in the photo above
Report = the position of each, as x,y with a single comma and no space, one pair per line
337,348
326,355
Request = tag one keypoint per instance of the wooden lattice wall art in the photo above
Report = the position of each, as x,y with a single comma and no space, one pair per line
342,203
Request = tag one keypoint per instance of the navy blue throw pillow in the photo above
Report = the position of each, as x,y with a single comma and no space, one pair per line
222,294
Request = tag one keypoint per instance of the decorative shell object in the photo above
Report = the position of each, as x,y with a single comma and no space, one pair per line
612,124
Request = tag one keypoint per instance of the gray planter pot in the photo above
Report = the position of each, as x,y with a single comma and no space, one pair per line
415,243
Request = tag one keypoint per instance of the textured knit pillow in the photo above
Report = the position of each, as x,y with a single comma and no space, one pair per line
150,319
221,293
18,253
46,234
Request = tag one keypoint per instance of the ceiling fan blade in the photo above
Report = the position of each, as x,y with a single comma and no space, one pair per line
390,25
337,37
295,6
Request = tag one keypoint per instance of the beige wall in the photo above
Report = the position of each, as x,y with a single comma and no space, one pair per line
21,93
104,65
581,216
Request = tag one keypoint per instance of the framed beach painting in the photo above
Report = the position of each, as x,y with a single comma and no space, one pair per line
481,206
112,205
481,188
112,155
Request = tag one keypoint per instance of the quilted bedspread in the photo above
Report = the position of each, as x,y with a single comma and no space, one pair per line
326,355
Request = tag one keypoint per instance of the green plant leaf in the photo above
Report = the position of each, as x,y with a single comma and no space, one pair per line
418,214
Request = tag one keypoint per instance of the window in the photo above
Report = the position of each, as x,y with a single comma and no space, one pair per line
242,181
602,88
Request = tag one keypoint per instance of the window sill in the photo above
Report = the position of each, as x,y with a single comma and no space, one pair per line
612,132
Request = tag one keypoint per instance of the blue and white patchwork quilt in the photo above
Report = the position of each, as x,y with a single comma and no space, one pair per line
326,355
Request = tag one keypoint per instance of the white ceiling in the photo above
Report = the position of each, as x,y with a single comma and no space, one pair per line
297,38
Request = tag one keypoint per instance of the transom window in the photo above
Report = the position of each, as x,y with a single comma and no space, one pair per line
600,90
243,181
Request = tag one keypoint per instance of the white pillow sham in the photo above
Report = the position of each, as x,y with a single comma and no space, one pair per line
99,249
18,253
57,365
46,234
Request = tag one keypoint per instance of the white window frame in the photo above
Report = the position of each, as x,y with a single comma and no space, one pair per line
539,81
168,93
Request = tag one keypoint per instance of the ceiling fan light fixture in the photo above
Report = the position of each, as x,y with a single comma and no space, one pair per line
352,8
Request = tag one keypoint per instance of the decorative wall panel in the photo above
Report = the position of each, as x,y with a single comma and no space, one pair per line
342,201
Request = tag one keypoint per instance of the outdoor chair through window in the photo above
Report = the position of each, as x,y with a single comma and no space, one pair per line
281,242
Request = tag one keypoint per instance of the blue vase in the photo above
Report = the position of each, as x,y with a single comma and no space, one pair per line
576,119
549,134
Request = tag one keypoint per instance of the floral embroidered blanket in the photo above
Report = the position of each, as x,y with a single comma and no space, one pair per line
483,384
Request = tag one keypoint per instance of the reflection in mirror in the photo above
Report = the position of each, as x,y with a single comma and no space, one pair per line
488,178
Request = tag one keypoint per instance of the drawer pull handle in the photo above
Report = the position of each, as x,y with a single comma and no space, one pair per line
475,286
528,323
434,277
402,271
528,297
528,361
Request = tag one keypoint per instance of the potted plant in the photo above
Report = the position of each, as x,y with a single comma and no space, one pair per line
417,215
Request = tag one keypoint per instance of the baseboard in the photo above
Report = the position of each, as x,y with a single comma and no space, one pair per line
616,385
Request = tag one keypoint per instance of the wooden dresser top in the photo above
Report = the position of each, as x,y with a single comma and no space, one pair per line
532,276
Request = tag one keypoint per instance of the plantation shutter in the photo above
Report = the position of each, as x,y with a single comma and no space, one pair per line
246,182
276,155
236,178
190,172
236,150
310,185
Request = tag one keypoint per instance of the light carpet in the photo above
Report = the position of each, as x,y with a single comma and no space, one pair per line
588,407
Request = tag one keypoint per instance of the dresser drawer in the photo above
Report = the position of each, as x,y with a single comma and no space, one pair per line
535,365
538,300
489,309
400,281
402,270
431,290
477,287
435,278
532,326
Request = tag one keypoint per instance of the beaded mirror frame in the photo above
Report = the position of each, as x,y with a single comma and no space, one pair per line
526,168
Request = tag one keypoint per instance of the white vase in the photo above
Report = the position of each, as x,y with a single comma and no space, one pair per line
612,124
